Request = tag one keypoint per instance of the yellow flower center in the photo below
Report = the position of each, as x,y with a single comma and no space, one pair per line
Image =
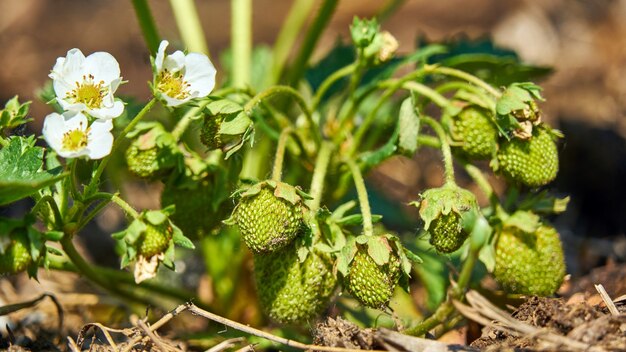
173,85
74,140
88,92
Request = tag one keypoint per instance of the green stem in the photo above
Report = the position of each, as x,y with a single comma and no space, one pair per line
448,71
310,40
480,180
80,266
266,94
393,86
95,179
280,154
80,263
429,141
445,147
58,219
183,123
366,212
461,85
125,206
241,41
298,14
428,92
329,81
446,309
319,175
148,27
189,26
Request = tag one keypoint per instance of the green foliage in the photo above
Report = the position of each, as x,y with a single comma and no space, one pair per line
21,170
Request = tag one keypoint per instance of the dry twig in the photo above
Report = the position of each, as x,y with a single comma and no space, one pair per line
607,300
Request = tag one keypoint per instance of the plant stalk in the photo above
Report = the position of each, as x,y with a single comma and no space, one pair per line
445,147
319,175
277,171
241,41
147,24
189,26
366,212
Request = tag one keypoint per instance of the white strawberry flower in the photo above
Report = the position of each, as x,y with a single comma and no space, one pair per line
180,78
87,84
71,136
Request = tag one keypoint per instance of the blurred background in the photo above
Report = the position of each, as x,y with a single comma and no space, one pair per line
583,41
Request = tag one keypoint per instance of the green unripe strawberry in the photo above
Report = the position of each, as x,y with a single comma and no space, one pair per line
370,283
446,233
442,210
473,132
16,257
152,154
155,239
269,216
209,134
529,263
533,162
290,291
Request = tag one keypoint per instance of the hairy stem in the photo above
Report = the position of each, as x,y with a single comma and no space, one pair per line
445,147
266,94
298,14
277,171
319,175
329,81
189,26
125,206
366,212
241,41
310,40
147,24
95,179
449,71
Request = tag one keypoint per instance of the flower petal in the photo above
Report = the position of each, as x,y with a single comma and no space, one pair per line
199,73
160,55
100,139
102,66
106,113
174,62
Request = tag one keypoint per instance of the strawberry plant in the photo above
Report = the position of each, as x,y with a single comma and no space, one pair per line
316,128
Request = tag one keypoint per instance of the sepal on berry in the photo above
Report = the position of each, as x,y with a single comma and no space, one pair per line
443,211
270,215
149,241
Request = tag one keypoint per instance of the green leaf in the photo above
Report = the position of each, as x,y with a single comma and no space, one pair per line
342,209
155,217
413,257
409,125
21,173
287,192
356,219
524,220
345,256
487,256
223,107
180,239
236,125
54,236
378,248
